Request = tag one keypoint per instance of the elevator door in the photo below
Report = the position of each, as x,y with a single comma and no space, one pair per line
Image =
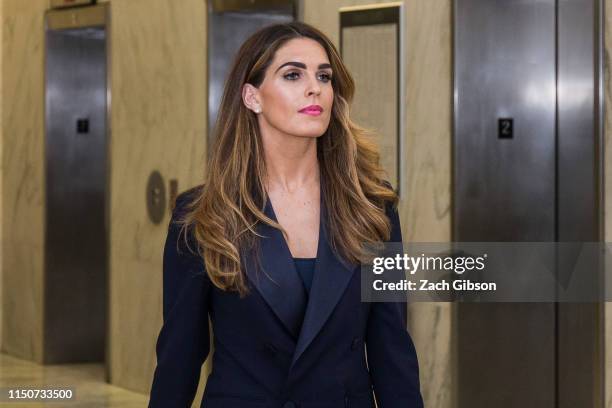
76,194
525,169
229,25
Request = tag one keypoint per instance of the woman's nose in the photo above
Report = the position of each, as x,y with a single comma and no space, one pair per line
313,87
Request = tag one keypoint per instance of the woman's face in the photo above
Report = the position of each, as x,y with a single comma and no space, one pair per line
298,77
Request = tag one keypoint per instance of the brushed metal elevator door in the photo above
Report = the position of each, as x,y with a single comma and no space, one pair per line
504,191
76,175
531,62
229,25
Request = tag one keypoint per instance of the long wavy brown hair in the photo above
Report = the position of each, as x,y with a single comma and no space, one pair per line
224,212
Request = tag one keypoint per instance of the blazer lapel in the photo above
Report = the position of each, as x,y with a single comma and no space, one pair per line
331,277
282,288
278,282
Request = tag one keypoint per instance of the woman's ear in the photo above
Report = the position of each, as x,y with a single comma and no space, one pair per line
250,98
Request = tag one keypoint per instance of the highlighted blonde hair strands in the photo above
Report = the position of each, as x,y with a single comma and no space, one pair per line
224,213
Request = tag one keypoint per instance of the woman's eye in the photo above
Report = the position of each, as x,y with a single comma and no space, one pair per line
290,76
326,77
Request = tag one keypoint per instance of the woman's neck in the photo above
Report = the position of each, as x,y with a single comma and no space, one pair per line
292,164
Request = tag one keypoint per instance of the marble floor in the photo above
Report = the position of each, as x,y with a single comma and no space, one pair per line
87,381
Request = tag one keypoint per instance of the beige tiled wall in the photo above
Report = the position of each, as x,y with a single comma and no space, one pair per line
424,213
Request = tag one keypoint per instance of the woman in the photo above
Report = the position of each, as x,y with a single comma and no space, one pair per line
271,245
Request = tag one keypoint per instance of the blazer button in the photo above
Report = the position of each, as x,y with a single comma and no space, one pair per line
355,343
290,404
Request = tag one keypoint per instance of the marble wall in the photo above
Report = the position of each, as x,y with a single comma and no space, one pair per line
158,122
427,44
22,177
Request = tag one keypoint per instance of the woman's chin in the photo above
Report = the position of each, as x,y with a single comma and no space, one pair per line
312,132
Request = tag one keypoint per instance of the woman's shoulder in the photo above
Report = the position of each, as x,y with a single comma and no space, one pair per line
180,230
391,211
185,198
183,204
390,204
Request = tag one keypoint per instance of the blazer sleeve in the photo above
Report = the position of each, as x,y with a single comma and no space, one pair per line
391,354
183,341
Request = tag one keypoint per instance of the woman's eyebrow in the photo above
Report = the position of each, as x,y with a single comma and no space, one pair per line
302,65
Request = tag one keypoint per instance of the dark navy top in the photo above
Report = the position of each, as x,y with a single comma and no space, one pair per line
305,267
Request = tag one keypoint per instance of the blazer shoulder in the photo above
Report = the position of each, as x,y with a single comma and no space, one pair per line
392,213
192,191
181,234
390,206
184,198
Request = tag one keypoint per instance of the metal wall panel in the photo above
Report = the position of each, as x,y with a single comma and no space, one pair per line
76,174
537,62
580,175
504,67
504,190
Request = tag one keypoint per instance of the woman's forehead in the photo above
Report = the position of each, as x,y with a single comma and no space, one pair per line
302,50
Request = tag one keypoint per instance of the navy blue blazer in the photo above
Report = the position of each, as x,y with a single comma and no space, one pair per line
277,347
